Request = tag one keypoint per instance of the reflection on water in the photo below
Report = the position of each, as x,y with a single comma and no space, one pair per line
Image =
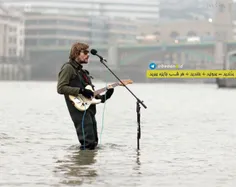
138,163
138,158
77,167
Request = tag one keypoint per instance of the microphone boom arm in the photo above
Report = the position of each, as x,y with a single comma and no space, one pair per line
102,60
138,100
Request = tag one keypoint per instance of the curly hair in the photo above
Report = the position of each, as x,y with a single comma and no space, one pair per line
76,49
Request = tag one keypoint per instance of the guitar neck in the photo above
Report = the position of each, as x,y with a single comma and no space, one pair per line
97,92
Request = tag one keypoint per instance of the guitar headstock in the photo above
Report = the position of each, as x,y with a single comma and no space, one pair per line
127,81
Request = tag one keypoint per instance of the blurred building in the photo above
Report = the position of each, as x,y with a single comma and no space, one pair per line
179,19
11,32
173,10
60,23
47,29
139,9
234,29
224,20
177,31
234,19
191,21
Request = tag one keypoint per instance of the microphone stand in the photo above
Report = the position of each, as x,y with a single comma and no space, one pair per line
138,102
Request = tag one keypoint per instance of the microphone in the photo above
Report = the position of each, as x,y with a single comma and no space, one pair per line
94,52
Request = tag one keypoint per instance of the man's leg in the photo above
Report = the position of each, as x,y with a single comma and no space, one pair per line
85,130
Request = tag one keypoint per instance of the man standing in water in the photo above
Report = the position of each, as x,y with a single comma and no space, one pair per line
72,80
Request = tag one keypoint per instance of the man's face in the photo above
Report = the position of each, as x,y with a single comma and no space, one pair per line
83,57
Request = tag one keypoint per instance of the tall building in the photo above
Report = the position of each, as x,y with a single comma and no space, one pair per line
223,20
174,10
11,33
139,9
234,19
59,23
47,29
181,19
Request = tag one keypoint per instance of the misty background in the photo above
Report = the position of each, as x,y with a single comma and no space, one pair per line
36,36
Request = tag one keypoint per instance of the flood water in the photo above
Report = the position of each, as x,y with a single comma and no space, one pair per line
188,138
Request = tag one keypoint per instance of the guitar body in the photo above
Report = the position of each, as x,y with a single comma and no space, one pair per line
82,103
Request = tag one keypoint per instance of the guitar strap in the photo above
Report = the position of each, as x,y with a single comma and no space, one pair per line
86,78
83,76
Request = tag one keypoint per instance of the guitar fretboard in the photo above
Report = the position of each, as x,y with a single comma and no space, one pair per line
105,88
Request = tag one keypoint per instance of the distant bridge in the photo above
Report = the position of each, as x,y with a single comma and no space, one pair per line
137,57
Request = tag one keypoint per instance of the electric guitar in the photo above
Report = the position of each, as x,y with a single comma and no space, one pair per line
82,103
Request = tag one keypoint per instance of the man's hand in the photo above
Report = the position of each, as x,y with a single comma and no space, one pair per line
109,87
107,95
86,93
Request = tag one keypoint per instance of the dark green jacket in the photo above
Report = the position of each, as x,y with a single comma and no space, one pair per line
71,79
69,71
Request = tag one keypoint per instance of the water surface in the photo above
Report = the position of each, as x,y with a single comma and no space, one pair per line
188,138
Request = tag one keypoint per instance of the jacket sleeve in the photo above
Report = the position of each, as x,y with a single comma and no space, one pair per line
64,77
